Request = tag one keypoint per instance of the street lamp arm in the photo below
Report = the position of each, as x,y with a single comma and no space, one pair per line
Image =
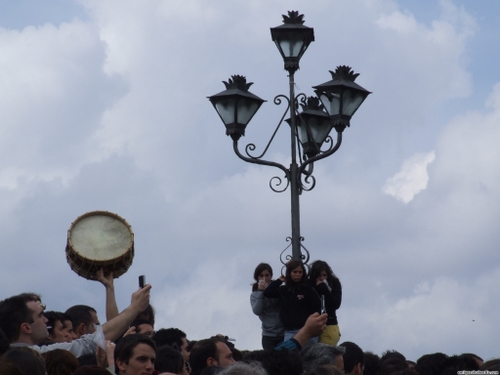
258,160
320,156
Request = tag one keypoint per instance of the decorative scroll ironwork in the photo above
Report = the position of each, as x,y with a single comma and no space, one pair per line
285,258
276,181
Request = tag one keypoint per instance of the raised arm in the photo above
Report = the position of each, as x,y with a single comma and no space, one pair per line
273,289
115,327
313,327
108,282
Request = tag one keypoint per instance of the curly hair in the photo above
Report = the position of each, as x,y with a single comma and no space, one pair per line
319,266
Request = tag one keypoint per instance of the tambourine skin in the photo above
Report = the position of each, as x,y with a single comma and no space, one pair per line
100,239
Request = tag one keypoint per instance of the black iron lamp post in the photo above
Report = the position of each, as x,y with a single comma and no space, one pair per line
337,100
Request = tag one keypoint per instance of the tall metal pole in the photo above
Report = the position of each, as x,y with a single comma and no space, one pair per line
294,178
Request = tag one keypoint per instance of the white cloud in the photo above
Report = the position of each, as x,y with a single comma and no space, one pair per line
412,178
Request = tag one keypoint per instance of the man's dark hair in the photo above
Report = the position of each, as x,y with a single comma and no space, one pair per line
459,362
126,345
392,365
371,363
391,354
169,336
277,362
4,343
52,318
203,350
148,314
352,356
431,364
79,314
136,323
14,312
169,360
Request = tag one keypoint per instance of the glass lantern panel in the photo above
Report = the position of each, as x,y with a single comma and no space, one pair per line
303,137
246,109
320,131
331,102
291,48
226,109
352,101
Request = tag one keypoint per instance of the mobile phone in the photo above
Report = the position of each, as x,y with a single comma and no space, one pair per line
142,281
323,308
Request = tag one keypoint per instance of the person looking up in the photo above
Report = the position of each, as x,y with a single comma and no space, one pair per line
55,326
23,322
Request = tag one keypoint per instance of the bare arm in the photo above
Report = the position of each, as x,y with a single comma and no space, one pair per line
107,281
115,327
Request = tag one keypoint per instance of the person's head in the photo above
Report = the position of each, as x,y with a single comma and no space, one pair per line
135,355
322,354
29,361
277,362
83,319
477,358
354,358
456,363
173,337
148,314
320,270
55,326
431,364
208,353
68,327
169,360
263,273
144,327
60,362
371,363
295,273
22,319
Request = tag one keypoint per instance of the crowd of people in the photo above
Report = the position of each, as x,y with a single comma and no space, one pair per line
300,335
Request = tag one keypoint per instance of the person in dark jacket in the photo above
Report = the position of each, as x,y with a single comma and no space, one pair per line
298,299
328,285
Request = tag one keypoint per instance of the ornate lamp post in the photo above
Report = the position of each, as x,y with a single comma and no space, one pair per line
337,100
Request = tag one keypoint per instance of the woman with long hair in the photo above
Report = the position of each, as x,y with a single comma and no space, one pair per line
267,309
327,284
298,299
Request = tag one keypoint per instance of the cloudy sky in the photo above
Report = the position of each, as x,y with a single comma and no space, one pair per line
103,107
